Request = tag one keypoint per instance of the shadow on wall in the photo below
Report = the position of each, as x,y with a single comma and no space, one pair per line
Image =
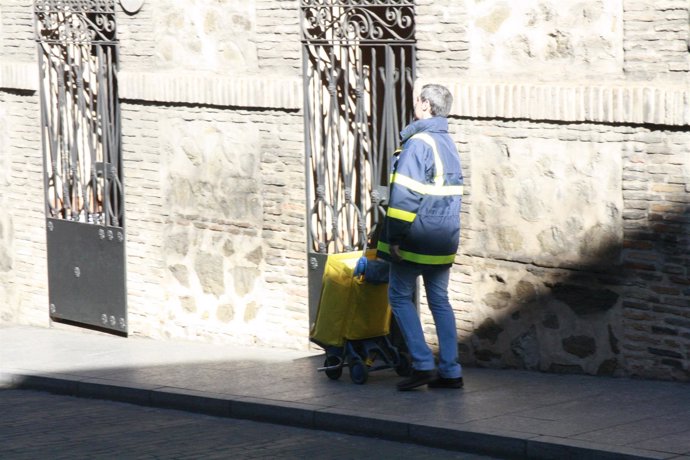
625,311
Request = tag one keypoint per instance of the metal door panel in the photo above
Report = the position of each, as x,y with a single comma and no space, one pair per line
87,285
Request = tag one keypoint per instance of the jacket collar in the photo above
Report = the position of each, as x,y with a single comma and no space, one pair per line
434,124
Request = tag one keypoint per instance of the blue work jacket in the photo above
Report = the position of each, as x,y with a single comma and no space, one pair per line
423,215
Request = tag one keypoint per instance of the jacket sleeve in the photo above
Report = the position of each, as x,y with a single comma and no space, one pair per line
406,191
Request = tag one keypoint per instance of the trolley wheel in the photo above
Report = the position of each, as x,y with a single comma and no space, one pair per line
358,372
335,373
404,367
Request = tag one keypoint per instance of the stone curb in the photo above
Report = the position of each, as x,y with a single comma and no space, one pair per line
322,418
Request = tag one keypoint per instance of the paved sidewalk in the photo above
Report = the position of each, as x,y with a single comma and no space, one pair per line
500,412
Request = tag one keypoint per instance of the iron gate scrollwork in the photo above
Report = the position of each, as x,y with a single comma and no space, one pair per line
84,195
358,71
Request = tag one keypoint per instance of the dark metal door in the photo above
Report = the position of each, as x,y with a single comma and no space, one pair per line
84,196
358,70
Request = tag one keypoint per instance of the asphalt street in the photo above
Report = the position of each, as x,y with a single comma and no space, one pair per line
37,425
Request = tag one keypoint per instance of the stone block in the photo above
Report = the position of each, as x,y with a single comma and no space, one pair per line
516,188
244,279
180,273
489,330
581,346
225,313
527,348
210,273
585,300
498,300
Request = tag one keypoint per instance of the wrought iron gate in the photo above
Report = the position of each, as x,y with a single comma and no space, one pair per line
84,196
358,70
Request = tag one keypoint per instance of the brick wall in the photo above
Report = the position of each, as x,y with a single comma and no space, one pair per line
278,35
6,231
24,272
441,31
16,27
657,38
138,40
656,258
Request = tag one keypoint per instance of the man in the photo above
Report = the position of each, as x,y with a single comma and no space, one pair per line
421,235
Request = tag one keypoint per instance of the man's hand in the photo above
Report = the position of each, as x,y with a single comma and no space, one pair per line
395,253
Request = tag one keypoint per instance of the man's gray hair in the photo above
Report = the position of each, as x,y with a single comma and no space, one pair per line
439,99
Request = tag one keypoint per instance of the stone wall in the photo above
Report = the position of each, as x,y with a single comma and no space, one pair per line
656,39
213,172
567,39
201,35
577,242
572,121
571,117
216,252
215,225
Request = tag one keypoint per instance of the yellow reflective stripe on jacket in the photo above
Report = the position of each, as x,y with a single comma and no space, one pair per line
438,178
418,258
408,182
426,189
396,213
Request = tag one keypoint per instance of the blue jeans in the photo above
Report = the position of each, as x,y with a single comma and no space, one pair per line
401,289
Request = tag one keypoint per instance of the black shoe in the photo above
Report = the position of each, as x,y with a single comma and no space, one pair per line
442,382
417,379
